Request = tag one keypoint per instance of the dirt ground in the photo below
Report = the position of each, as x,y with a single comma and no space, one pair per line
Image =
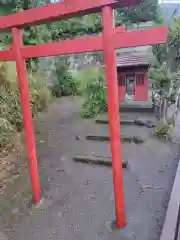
78,200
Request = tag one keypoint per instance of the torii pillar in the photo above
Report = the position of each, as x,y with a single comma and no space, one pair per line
110,43
113,109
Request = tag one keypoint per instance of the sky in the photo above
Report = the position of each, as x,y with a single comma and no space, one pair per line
169,1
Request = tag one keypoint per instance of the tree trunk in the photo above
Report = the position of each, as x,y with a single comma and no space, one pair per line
26,5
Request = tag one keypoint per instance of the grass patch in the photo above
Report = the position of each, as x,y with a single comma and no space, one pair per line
164,130
91,82
66,84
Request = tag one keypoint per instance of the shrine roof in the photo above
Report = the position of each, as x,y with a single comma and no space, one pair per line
134,59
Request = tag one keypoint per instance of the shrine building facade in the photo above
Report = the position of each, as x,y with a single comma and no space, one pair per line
133,79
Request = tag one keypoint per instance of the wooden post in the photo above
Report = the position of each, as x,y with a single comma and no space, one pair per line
113,108
26,112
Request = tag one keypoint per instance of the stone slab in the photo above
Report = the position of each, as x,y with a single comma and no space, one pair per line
139,122
99,160
129,116
136,108
133,139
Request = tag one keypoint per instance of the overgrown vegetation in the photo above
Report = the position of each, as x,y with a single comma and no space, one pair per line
92,87
66,84
90,82
164,131
146,11
10,111
165,73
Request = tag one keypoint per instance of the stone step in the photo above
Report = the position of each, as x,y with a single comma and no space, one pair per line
126,116
142,123
98,148
97,160
96,152
133,139
129,133
136,107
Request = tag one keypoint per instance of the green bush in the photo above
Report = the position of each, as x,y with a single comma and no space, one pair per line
10,110
66,84
92,87
7,132
164,130
41,95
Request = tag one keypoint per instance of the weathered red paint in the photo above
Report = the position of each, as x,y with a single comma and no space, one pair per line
7,55
141,93
114,117
26,112
61,48
143,37
120,29
59,11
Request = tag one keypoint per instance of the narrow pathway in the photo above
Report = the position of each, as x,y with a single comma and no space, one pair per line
78,199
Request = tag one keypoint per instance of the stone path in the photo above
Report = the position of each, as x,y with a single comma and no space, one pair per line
78,200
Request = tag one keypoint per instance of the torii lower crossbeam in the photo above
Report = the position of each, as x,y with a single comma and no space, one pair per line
143,37
111,39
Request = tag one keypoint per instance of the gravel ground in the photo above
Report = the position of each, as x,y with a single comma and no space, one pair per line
78,200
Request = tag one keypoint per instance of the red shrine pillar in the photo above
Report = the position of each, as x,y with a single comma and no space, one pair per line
26,112
113,108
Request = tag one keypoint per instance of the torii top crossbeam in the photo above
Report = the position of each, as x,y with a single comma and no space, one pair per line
59,11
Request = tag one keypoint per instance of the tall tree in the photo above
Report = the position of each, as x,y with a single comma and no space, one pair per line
165,73
146,11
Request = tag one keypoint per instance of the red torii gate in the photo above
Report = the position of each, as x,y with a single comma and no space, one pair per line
111,39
